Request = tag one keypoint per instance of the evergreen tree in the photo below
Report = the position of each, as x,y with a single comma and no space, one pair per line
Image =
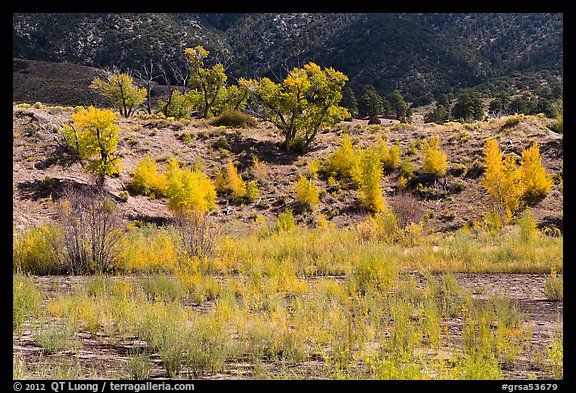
349,101
370,102
500,105
399,106
468,106
520,104
438,115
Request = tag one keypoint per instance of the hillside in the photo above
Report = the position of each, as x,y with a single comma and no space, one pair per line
423,55
40,171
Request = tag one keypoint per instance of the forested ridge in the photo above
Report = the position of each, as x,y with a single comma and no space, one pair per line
423,55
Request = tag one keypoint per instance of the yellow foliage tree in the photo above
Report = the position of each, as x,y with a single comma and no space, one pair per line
533,174
435,162
307,192
94,135
145,178
502,179
230,181
189,191
119,88
371,181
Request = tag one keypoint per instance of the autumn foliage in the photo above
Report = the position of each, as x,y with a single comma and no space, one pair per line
511,186
94,136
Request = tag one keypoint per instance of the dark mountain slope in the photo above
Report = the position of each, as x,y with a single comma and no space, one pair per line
422,54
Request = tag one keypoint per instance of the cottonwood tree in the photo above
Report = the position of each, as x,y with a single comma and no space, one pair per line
191,195
177,104
502,179
207,83
148,73
93,136
120,89
305,101
210,93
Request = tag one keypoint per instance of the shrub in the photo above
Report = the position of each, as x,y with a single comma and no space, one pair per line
407,209
502,180
149,249
457,169
406,168
198,236
373,274
26,300
512,121
313,166
434,159
230,182
234,119
259,170
35,251
91,232
306,192
285,221
206,345
554,287
146,180
374,120
371,181
138,365
558,111
382,226
528,225
252,190
53,338
447,293
123,195
390,157
188,190
555,352
536,183
345,162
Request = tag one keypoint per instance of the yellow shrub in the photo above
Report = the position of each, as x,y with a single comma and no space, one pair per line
149,249
313,168
345,162
502,179
188,190
434,159
371,181
381,226
306,192
402,182
259,170
146,180
252,190
390,157
229,181
533,175
34,251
